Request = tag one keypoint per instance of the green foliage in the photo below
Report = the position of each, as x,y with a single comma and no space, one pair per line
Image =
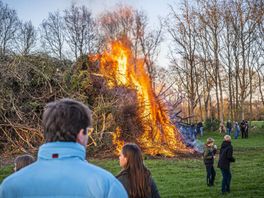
5,171
211,124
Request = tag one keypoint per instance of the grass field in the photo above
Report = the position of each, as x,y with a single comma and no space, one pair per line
186,177
258,124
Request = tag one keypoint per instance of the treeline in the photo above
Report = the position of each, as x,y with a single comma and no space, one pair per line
217,56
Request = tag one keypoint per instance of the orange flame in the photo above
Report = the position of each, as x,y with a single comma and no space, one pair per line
159,137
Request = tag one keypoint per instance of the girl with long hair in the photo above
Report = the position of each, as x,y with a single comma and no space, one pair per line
134,176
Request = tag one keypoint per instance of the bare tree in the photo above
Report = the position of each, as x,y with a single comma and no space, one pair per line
206,62
149,42
53,34
114,24
81,30
226,57
9,24
210,15
26,38
245,17
182,29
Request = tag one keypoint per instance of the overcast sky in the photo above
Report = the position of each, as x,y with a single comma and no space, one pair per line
37,10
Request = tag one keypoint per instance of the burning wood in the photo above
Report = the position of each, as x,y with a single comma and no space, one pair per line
158,136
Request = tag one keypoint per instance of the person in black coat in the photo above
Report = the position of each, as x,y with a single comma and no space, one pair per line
134,176
246,129
243,129
225,157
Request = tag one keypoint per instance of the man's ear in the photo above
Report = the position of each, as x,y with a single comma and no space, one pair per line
80,136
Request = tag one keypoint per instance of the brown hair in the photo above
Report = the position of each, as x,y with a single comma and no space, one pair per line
63,119
209,140
138,174
22,161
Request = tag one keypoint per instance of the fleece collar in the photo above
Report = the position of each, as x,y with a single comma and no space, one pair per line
59,150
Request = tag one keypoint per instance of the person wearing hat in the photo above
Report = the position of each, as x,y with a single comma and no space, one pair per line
208,156
225,158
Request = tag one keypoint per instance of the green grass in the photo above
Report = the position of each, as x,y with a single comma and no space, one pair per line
258,124
186,177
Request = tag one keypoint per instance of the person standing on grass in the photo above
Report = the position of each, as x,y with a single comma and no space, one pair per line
61,169
135,177
225,157
208,156
228,127
222,128
237,130
246,129
243,128
200,128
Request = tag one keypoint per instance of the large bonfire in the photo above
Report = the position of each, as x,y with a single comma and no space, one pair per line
158,136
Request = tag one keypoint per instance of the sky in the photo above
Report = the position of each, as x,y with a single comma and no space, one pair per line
37,10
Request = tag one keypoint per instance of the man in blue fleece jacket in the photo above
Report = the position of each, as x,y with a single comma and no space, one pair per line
61,169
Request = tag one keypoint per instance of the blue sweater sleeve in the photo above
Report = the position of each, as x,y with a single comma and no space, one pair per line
117,190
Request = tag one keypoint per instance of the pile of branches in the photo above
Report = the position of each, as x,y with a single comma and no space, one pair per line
112,108
28,83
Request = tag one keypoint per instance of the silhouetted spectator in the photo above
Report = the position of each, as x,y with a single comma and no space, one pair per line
228,127
246,129
243,129
237,129
225,157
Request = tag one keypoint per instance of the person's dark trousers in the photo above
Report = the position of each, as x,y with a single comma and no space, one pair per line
243,133
226,180
210,175
246,133
228,130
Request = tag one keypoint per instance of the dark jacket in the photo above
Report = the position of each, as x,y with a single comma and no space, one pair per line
123,178
199,124
208,155
229,125
226,155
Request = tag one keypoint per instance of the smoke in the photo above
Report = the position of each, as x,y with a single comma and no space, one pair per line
188,136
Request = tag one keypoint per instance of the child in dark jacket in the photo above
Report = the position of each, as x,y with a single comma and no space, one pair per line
23,161
209,155
225,158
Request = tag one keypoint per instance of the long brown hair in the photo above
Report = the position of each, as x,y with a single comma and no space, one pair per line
138,174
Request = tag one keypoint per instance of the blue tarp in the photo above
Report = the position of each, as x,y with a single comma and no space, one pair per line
188,136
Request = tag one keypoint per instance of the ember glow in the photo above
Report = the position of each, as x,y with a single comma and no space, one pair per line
159,137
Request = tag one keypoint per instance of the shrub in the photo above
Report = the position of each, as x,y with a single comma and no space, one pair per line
211,124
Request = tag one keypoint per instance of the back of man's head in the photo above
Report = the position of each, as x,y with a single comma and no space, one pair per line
63,119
